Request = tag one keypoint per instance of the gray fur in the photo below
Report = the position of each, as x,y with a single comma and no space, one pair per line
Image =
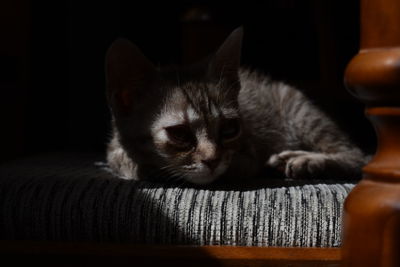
279,127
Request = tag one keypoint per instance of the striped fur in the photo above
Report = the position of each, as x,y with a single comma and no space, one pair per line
278,127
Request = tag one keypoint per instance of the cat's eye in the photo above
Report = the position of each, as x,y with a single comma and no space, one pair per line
230,129
180,135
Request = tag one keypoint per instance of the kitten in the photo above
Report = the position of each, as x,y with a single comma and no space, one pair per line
214,119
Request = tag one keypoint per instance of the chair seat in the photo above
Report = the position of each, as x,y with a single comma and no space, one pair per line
66,197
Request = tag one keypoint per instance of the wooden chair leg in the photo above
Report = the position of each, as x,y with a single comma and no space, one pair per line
371,234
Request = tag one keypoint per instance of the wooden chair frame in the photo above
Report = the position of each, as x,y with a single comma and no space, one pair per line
371,235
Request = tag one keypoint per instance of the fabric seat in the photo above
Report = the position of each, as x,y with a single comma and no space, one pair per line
67,197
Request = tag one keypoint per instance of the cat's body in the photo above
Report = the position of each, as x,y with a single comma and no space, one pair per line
215,119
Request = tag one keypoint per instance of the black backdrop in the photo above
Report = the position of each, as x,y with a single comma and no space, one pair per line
304,42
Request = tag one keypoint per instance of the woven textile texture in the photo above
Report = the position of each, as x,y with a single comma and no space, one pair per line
65,197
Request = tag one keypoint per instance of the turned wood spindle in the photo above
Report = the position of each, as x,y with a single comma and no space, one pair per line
371,234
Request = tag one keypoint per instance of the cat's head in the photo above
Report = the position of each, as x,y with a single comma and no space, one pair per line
181,122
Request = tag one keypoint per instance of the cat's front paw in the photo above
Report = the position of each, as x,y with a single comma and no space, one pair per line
298,164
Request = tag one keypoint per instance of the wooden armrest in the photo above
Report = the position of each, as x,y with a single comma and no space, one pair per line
372,211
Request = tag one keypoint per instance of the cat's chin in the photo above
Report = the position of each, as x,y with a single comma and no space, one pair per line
205,176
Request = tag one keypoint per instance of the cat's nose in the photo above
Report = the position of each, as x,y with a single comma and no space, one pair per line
211,163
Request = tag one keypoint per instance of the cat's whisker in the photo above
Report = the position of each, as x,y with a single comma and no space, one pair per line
172,173
176,178
165,172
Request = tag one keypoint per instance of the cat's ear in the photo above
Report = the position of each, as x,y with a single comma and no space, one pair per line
128,72
226,61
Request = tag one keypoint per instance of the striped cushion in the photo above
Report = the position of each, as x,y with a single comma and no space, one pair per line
66,197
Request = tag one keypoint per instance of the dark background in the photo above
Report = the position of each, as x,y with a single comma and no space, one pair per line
52,59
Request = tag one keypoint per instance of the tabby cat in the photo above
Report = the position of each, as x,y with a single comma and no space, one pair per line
214,119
